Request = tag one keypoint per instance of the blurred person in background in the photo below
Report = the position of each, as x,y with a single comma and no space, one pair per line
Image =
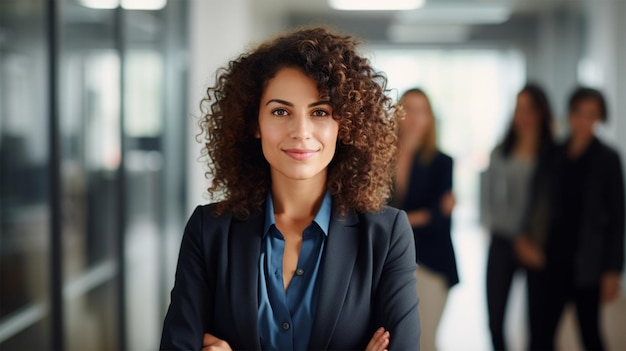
504,199
301,254
581,256
423,188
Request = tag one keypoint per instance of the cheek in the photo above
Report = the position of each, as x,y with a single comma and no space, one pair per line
530,120
584,121
331,138
579,124
406,125
590,124
412,124
269,139
268,132
421,124
331,131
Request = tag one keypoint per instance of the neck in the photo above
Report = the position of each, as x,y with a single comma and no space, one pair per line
527,143
298,199
578,144
410,146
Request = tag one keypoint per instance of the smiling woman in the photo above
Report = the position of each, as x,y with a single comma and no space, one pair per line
358,177
302,253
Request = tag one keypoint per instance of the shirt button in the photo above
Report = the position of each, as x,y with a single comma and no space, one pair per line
286,326
299,271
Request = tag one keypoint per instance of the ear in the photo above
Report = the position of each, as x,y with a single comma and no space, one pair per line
257,134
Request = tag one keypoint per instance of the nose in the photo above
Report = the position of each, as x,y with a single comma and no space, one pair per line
301,126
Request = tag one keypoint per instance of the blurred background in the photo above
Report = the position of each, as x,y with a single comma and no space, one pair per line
99,167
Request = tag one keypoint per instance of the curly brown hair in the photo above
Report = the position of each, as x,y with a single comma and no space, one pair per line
361,172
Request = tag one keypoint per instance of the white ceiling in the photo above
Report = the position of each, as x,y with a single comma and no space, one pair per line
322,7
438,21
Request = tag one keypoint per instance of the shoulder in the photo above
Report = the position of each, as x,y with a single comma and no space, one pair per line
389,233
441,160
497,155
606,149
604,155
498,151
443,157
209,211
388,219
386,213
205,216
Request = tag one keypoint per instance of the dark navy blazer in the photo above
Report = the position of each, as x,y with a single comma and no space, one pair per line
427,185
367,281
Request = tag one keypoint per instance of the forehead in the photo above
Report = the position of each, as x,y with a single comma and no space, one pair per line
589,103
290,81
414,100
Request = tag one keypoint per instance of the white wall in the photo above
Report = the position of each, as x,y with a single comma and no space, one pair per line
554,55
606,48
606,54
219,31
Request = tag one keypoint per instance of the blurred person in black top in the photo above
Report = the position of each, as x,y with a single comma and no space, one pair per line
581,257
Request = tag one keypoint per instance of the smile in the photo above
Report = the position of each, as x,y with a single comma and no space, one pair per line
300,154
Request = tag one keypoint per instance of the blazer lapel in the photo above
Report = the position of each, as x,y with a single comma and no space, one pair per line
244,252
337,265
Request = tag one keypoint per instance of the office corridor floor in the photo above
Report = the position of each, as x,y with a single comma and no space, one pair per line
464,324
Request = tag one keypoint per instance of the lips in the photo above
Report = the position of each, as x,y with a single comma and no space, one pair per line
300,154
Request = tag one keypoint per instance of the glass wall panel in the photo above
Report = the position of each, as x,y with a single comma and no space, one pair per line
90,127
120,78
24,176
154,125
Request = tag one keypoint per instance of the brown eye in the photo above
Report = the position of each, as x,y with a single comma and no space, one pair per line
280,112
320,113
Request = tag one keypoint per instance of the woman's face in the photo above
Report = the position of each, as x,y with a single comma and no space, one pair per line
583,118
297,130
526,117
418,116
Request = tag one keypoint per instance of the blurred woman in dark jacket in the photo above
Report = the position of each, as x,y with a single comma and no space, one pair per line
423,188
581,256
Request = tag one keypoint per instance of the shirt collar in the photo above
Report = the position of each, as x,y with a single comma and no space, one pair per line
322,217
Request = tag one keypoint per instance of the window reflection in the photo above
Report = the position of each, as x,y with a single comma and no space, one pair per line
143,86
90,123
24,196
110,84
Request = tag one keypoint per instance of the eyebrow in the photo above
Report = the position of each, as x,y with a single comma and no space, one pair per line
284,102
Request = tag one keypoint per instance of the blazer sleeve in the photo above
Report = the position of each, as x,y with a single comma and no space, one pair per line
186,316
397,291
442,176
614,257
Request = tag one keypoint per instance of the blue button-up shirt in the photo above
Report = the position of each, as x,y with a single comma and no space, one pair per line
285,318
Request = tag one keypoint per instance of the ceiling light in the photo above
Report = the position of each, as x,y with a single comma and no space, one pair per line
458,13
144,4
126,4
428,33
375,5
100,4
